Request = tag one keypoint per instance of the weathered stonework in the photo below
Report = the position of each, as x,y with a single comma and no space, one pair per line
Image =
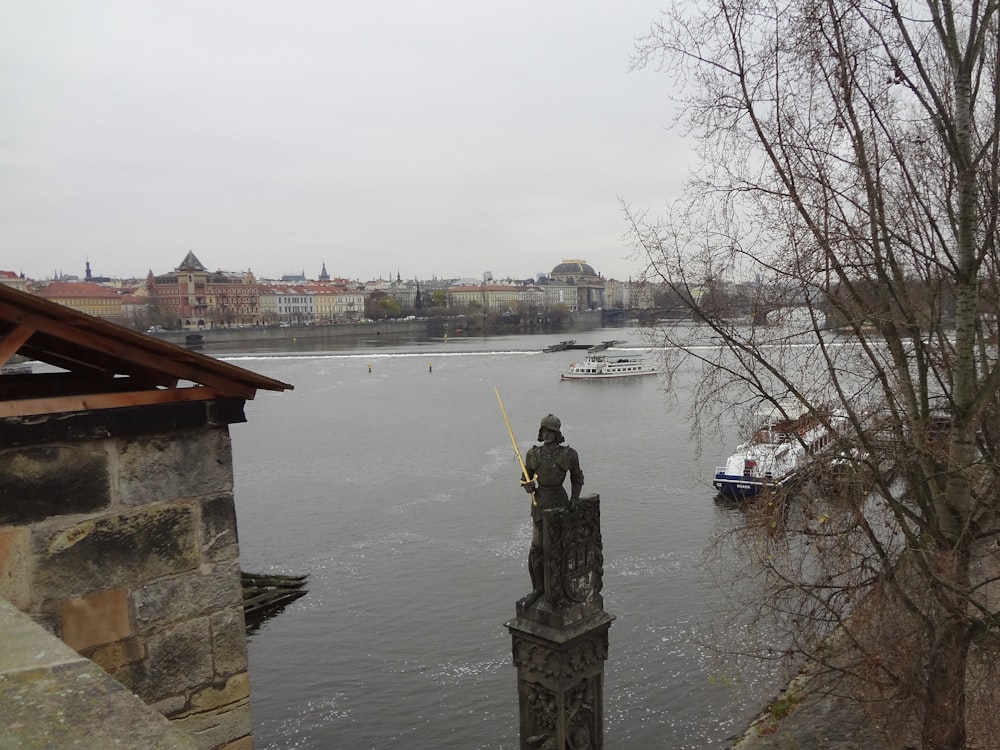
178,658
198,464
218,528
561,687
113,550
229,645
233,690
43,481
111,656
15,580
213,727
244,743
209,589
52,697
119,536
95,619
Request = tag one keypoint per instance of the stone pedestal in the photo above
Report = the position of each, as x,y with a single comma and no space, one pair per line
560,640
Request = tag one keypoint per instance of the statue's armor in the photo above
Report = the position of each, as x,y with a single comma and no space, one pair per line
546,467
549,467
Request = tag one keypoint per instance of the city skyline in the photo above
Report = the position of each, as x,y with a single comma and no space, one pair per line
69,275
441,138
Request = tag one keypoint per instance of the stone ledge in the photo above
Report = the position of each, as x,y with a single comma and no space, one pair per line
50,696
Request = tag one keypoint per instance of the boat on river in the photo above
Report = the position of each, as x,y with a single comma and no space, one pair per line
777,454
601,366
603,345
564,345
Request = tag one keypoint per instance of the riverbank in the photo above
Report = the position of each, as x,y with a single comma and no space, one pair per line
392,329
212,336
841,704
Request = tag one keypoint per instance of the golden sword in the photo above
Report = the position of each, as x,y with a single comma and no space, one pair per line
517,451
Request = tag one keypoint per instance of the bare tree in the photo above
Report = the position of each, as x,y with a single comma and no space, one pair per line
850,164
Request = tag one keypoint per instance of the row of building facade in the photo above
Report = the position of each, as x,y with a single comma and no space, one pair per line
190,297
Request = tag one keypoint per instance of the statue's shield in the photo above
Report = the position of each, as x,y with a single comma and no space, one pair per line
581,570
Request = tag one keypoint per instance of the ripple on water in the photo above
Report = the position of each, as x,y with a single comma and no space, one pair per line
297,731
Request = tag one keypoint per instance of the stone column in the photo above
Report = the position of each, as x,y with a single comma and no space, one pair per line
560,640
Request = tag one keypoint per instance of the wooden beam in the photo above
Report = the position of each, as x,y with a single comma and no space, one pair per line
87,361
144,352
13,340
91,402
131,352
54,384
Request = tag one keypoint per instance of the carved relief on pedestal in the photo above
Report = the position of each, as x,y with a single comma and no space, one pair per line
540,661
543,715
578,716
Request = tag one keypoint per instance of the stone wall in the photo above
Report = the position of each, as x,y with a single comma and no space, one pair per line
71,702
118,535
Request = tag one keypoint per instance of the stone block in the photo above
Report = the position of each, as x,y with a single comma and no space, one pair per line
229,641
236,688
111,656
167,467
94,619
113,551
43,481
208,589
15,575
179,660
243,743
170,706
218,529
215,729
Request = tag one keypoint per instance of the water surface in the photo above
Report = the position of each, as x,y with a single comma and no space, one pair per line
388,476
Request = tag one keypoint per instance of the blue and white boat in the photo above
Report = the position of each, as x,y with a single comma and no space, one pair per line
776,454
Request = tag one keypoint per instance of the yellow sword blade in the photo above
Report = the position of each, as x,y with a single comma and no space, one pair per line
517,451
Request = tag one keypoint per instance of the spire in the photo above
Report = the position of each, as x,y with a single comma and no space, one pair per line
323,275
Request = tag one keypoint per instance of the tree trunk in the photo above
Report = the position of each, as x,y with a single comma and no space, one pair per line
947,657
944,716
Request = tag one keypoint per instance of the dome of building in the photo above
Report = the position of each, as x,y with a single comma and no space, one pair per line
573,268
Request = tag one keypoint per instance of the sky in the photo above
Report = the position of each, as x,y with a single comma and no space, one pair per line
441,138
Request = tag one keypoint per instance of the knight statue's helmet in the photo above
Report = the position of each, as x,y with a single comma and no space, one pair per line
551,422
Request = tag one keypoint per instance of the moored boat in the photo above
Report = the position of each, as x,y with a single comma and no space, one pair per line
601,366
560,347
777,454
603,345
564,345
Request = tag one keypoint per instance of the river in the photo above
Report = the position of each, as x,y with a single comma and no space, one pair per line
388,476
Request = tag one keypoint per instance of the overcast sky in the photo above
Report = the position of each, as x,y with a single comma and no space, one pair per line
436,138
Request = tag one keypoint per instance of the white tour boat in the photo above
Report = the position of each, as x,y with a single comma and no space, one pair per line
600,366
776,454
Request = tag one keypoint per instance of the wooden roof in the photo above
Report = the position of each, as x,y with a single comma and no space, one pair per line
105,365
